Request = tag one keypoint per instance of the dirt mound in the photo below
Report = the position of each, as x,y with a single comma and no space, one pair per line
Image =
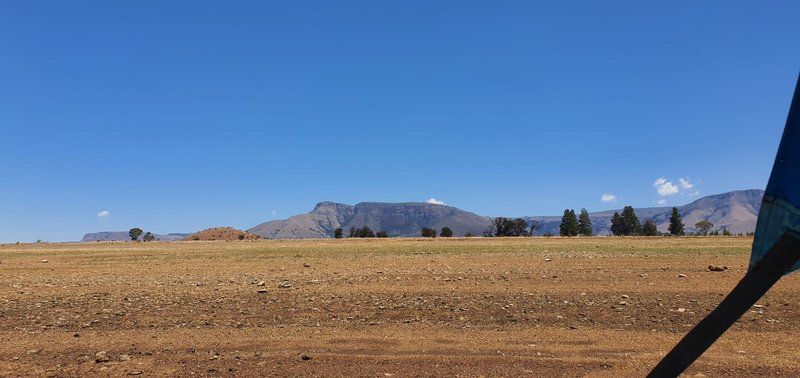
222,233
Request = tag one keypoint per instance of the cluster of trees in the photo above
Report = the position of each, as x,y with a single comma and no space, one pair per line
366,232
627,224
572,225
510,227
136,232
363,232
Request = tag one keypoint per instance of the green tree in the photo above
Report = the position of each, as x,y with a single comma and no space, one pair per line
703,227
364,232
135,233
630,222
148,236
584,224
675,223
446,232
352,232
569,223
426,232
337,233
649,228
382,234
617,227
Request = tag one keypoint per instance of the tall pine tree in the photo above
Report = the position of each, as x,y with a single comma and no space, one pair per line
584,224
649,228
630,222
675,223
569,223
617,227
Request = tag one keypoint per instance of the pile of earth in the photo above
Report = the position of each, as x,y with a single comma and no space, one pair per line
222,233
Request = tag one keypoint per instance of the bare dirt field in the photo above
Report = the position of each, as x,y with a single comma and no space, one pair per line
390,307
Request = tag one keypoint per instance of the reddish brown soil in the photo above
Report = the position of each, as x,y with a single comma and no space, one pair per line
223,234
510,307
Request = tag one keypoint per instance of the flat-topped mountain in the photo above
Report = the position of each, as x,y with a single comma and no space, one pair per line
398,219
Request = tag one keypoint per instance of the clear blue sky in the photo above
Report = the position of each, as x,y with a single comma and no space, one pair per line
176,116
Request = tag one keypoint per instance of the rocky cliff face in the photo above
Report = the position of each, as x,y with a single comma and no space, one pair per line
398,219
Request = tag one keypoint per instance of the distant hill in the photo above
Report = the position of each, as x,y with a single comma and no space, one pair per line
222,233
398,219
123,236
735,211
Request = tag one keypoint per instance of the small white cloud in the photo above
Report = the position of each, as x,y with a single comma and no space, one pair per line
274,213
695,193
103,214
435,201
661,201
685,184
665,188
608,197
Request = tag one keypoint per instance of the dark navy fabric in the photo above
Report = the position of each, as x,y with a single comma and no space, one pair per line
784,183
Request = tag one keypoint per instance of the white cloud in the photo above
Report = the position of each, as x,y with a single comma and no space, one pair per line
695,193
665,188
661,201
435,201
685,184
608,197
274,213
103,214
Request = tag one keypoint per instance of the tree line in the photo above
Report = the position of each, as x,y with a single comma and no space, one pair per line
136,232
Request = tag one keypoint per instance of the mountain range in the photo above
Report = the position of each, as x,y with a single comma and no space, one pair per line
736,211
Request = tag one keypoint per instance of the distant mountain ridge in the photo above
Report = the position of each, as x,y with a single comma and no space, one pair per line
736,211
123,236
398,219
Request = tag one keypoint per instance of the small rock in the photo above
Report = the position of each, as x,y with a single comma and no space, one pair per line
306,265
34,351
284,285
261,283
681,275
548,260
305,357
262,291
101,357
625,296
124,357
714,268
136,372
44,261
681,309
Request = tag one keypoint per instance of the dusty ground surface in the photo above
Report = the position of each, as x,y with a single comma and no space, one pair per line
470,307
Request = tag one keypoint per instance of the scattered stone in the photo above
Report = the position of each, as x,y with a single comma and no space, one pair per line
262,291
136,372
681,275
124,357
101,357
714,268
758,306
284,285
34,351
261,283
681,309
44,261
548,260
625,296
306,265
305,357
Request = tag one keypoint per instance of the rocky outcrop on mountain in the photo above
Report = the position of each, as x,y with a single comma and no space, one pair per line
398,219
123,236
